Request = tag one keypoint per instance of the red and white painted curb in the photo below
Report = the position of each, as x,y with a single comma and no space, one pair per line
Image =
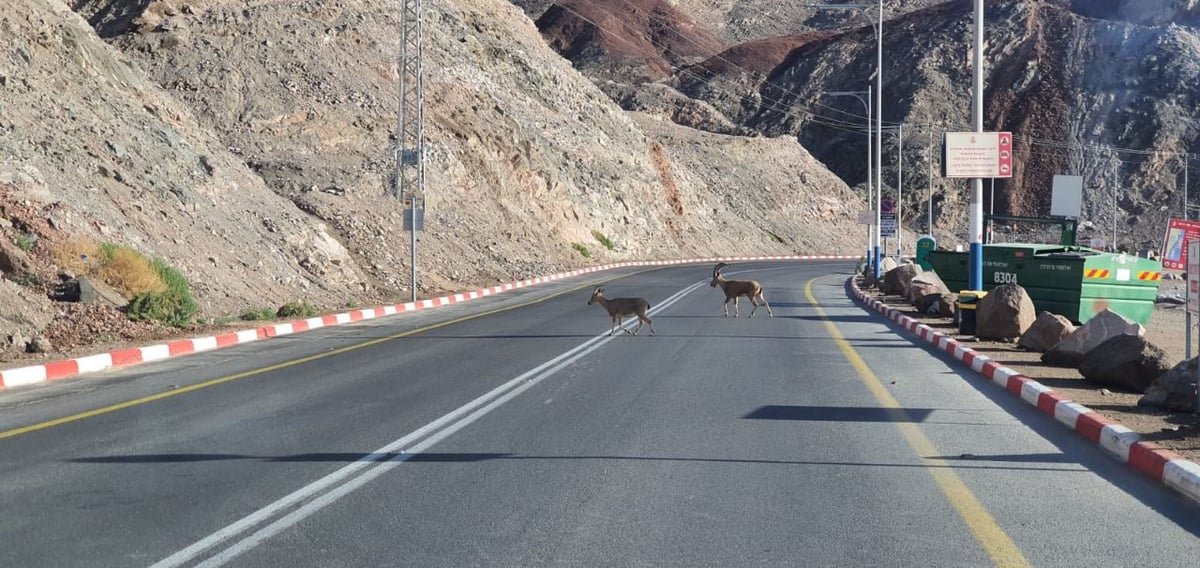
1160,464
68,368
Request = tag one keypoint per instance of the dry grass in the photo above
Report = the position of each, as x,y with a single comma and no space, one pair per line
131,272
123,268
80,256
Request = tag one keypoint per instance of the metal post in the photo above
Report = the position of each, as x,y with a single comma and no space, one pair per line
992,203
976,256
410,153
866,106
929,156
413,239
900,193
879,131
870,192
1114,218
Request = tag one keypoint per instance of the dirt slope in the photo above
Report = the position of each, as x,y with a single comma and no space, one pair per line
249,145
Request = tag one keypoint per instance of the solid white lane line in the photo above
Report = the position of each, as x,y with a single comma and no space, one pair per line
437,430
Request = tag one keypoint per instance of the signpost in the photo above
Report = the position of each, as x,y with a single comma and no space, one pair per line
887,218
978,155
1193,304
1193,286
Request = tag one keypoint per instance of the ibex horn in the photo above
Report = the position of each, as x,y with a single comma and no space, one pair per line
718,268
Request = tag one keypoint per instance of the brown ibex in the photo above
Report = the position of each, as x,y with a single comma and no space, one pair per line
618,308
736,288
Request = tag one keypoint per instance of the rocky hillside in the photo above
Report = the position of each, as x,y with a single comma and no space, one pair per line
249,144
1105,90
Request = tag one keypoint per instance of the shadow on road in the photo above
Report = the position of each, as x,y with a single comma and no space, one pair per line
349,457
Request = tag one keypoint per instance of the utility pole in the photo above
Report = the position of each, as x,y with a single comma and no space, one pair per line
409,181
975,274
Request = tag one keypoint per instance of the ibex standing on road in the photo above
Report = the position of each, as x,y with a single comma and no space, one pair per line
736,288
618,308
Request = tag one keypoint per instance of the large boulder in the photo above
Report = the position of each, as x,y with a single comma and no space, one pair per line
929,304
924,284
92,291
886,264
1004,314
1047,330
1103,326
13,260
1127,362
1175,389
896,281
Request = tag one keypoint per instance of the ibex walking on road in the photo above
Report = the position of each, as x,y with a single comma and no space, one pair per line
618,308
736,288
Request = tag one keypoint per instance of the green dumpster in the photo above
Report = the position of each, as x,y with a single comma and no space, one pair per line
1074,282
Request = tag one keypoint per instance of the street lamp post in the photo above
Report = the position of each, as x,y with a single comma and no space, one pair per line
899,192
878,27
867,107
929,157
879,128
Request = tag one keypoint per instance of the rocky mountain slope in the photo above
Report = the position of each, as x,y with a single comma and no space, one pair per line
248,143
1104,90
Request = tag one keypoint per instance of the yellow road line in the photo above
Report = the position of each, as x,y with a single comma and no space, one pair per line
987,531
293,363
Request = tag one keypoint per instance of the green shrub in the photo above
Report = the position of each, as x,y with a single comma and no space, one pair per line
258,314
173,306
583,250
26,242
600,238
296,310
27,279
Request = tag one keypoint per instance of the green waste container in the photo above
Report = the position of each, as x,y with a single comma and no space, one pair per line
968,302
1074,282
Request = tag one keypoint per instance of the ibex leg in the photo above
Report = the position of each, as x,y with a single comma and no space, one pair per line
763,299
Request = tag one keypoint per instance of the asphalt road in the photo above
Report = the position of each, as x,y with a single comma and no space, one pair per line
512,431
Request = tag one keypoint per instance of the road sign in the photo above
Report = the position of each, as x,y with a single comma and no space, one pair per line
887,224
887,205
1066,196
414,219
866,217
977,155
1175,246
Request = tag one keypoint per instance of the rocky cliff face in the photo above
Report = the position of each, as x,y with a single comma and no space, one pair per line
1104,90
249,144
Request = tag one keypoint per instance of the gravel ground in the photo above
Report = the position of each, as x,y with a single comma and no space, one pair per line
1166,329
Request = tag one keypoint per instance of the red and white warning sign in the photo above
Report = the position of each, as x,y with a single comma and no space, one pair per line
978,155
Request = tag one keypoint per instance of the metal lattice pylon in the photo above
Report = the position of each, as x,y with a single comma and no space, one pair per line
409,151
